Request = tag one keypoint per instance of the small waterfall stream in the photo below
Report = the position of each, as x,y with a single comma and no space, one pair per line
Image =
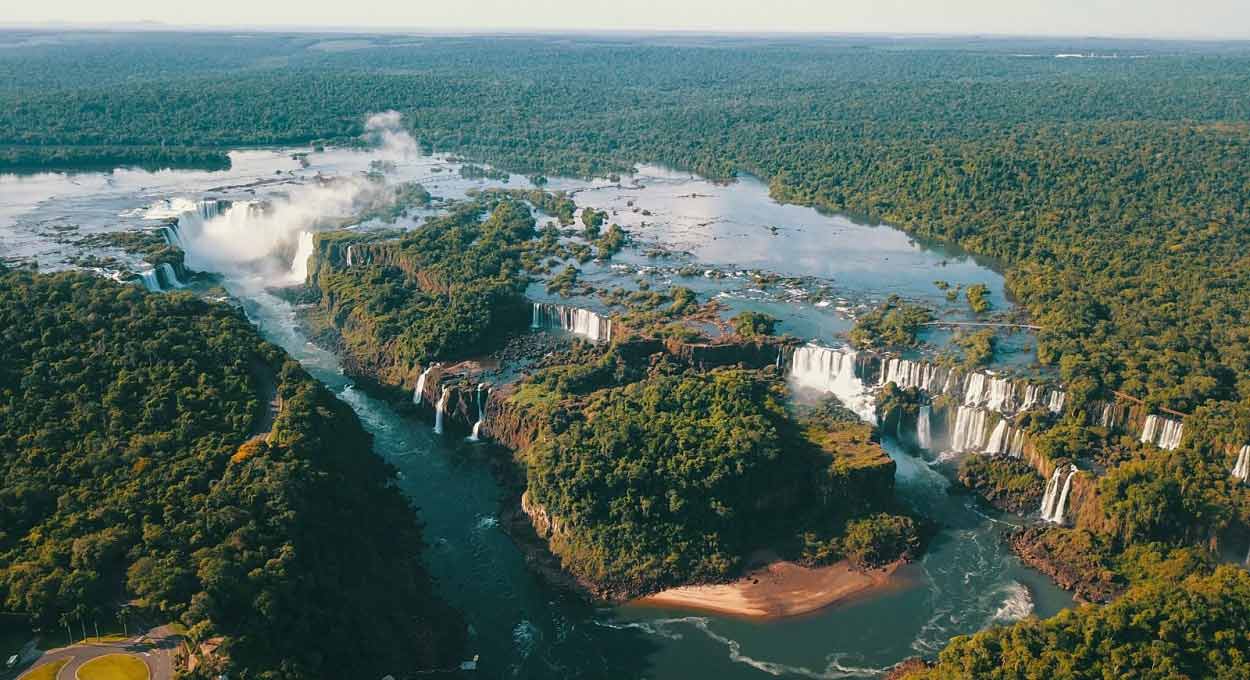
480,397
439,408
1055,500
418,394
924,435
1242,469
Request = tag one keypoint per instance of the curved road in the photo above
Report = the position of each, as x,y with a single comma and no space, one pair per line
157,649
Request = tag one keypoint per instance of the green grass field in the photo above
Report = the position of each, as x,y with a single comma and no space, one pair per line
114,667
47,671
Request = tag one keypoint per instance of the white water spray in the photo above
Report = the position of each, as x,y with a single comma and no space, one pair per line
833,370
924,436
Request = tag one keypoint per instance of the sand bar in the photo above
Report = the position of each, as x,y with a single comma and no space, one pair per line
778,590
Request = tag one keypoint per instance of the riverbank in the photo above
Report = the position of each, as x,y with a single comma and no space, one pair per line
780,590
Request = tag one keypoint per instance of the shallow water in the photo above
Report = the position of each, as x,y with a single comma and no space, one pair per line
522,628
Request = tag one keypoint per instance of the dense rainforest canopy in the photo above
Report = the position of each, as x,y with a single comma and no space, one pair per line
1180,625
671,476
1115,189
156,452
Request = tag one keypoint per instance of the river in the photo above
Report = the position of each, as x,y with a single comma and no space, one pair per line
832,267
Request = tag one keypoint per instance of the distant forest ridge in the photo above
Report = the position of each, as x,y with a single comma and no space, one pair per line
1113,185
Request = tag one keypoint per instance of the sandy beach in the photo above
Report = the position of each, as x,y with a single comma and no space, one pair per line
778,590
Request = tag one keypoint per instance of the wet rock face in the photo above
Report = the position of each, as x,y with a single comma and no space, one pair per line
1063,557
747,352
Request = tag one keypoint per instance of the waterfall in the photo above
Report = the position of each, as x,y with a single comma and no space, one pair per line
1032,397
1171,436
1162,432
1108,416
974,387
438,410
418,394
1001,395
349,254
1061,507
918,374
303,251
924,438
480,397
833,370
1015,447
999,438
1006,440
150,281
172,235
969,429
1055,403
171,275
1242,469
1055,500
575,320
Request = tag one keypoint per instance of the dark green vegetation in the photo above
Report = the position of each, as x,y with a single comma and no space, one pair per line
977,347
442,291
1179,625
1113,192
753,324
893,324
155,449
1007,483
1112,189
670,476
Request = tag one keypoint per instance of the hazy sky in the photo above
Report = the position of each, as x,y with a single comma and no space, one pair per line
1165,18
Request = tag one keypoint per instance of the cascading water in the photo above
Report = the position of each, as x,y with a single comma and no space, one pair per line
924,436
833,370
573,320
438,410
170,275
1108,416
974,387
1242,469
150,281
418,394
303,251
1006,440
1001,395
1055,401
1055,500
1162,432
918,374
480,396
1032,396
999,438
1062,505
969,432
349,254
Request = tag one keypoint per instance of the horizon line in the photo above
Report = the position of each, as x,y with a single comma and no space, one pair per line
140,26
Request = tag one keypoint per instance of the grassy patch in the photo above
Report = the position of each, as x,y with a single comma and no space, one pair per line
114,667
47,671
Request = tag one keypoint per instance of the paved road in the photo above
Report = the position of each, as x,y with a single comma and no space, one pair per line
157,649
